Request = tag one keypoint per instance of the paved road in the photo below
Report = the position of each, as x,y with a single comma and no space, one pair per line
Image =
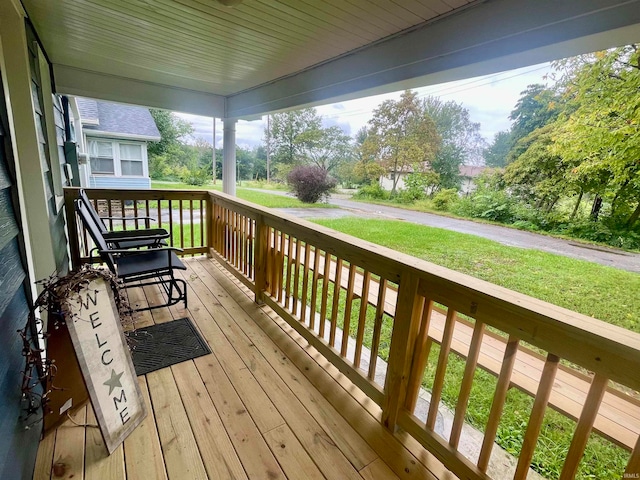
507,236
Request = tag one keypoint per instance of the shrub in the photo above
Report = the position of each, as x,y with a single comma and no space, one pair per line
310,184
196,176
444,199
373,191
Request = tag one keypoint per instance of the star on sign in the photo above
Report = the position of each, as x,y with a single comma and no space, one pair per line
114,381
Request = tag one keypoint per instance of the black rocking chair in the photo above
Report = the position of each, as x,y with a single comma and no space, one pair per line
153,266
125,239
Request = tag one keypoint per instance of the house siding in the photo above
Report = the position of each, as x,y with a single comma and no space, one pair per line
18,445
105,181
54,205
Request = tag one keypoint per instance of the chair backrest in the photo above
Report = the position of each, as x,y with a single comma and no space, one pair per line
82,195
95,232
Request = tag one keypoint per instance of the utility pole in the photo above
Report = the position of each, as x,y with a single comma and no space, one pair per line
268,149
214,150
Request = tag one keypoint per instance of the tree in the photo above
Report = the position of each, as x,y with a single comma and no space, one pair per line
172,132
536,107
401,135
462,143
602,132
292,133
328,148
495,155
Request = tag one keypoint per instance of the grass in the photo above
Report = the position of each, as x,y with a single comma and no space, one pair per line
265,199
591,289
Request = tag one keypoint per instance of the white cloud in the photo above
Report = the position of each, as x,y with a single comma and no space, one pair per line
489,100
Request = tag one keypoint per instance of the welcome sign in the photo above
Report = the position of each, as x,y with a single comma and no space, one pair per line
105,361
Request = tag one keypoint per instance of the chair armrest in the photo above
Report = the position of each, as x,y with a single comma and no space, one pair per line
142,234
128,218
126,251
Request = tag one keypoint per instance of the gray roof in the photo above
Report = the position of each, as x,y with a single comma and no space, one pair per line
117,120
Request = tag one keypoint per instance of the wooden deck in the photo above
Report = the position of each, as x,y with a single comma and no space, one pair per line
263,405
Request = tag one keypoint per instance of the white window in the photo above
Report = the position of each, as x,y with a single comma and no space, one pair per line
101,158
131,159
116,158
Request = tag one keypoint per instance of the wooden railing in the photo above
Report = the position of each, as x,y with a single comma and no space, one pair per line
358,302
183,213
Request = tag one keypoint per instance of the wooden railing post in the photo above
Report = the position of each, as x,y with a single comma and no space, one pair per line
72,227
260,258
401,351
210,227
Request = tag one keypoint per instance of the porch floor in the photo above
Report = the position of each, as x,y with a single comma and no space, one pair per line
263,405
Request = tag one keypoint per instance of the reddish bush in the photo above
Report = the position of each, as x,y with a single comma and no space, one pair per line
310,184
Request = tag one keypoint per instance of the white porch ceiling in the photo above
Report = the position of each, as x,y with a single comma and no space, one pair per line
264,55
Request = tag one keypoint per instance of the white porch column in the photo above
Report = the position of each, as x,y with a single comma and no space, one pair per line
229,157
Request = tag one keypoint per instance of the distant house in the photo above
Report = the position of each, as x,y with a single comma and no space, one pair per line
468,174
115,136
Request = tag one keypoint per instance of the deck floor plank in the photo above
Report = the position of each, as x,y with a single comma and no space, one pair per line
228,414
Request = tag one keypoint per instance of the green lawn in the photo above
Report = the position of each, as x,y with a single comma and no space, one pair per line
263,198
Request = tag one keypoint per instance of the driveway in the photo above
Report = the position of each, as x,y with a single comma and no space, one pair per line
507,236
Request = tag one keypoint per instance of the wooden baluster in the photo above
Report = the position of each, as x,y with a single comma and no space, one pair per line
336,301
170,223
467,383
147,222
633,466
537,415
262,237
123,214
325,293
346,324
305,282
270,265
243,242
159,207
275,264
193,243
421,350
110,214
362,318
203,224
236,239
135,214
296,277
281,266
443,359
583,429
401,352
181,224
377,328
290,263
314,289
227,233
251,247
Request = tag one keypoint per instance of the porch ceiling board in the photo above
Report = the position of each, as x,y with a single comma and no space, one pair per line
268,55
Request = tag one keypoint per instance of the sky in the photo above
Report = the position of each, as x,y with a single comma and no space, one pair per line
489,99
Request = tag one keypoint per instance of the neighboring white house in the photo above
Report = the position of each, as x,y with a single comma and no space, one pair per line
468,174
114,136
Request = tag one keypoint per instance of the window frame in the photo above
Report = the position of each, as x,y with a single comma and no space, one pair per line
117,157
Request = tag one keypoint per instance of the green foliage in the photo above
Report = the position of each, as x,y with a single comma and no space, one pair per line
445,199
460,137
400,135
172,129
493,205
310,184
373,191
538,106
495,155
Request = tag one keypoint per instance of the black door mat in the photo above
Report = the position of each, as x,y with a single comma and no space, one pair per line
166,344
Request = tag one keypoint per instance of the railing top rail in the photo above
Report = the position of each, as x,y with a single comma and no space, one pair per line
589,342
130,194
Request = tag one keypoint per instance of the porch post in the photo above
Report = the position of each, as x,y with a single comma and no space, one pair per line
229,157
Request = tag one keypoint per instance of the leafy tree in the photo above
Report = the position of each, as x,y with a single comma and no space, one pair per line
462,143
310,183
327,148
602,132
495,155
401,135
536,107
172,132
292,133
